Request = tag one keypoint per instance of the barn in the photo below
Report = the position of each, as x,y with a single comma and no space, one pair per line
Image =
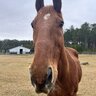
19,50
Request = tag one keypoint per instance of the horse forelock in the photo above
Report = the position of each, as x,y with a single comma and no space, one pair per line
48,10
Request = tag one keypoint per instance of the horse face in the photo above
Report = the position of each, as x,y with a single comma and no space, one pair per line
48,39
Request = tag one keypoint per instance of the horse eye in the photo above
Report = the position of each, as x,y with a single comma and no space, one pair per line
61,24
32,25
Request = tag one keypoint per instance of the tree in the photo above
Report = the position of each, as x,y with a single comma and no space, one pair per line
85,31
83,38
93,35
8,44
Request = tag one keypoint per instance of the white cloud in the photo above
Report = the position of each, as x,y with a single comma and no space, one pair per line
76,12
16,16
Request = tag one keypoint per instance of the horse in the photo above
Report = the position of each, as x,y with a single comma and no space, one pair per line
55,69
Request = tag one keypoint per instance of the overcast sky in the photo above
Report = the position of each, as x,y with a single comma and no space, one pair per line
16,16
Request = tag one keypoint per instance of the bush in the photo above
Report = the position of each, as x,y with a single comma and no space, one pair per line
79,48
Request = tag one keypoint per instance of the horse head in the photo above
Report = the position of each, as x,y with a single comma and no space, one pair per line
49,43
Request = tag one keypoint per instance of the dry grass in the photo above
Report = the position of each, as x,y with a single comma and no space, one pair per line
88,83
15,81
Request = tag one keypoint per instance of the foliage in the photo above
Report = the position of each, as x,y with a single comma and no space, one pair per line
8,44
82,39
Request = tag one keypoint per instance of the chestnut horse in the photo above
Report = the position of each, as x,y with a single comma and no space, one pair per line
55,69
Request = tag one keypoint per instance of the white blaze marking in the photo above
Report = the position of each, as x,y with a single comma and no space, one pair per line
46,16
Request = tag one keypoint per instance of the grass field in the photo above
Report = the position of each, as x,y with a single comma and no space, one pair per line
15,79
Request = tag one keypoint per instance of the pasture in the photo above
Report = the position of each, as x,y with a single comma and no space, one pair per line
15,78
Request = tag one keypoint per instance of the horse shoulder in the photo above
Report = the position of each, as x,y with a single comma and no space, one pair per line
72,51
74,63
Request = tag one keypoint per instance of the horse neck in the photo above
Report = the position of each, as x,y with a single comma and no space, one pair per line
63,69
64,61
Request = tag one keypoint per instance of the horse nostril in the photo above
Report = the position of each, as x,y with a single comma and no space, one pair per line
49,75
33,82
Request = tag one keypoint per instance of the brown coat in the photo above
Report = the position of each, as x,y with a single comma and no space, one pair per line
55,69
67,82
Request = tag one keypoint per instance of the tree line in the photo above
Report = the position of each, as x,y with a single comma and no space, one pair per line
83,38
7,44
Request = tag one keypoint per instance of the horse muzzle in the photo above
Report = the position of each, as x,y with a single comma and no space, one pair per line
46,85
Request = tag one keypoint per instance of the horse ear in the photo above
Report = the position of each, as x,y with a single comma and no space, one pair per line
57,4
39,4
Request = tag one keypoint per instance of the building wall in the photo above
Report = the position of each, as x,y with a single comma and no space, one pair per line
17,50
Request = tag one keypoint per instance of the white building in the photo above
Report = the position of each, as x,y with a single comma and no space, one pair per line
19,50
